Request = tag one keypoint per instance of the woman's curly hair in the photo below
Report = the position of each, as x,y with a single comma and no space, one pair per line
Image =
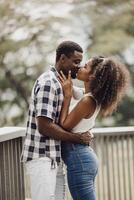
108,83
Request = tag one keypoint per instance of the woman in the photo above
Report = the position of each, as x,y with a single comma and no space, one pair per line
105,82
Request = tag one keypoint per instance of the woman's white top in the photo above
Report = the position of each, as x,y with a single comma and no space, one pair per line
85,124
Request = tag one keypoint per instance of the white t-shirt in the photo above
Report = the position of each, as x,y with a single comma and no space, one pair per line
85,124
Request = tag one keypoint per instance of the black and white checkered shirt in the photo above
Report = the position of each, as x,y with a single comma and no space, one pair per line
46,100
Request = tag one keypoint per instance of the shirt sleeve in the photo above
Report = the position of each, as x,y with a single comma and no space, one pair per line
77,92
46,100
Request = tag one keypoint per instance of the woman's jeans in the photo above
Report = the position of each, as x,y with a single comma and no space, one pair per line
82,167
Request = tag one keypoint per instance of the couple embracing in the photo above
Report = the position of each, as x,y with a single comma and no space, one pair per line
57,132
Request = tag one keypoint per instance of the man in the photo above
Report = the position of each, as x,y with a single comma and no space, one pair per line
42,150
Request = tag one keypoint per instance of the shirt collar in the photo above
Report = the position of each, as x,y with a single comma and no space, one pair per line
53,69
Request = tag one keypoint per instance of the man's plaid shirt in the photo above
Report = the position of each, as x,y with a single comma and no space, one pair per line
46,100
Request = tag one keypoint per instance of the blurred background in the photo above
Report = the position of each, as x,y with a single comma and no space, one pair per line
30,32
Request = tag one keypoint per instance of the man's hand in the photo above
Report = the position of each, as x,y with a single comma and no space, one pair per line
87,137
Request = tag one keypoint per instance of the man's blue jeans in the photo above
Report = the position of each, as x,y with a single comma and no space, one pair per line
82,167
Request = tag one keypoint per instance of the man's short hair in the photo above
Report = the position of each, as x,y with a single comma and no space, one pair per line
67,48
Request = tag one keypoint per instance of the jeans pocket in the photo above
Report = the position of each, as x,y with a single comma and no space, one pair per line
88,161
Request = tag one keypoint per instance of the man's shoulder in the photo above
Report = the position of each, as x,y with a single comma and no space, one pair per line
47,78
45,75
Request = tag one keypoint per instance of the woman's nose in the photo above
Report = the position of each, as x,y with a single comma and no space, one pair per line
80,66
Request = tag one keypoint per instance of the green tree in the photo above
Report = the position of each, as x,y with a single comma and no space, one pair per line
30,31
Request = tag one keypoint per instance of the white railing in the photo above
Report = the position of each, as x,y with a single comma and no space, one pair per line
115,150
11,170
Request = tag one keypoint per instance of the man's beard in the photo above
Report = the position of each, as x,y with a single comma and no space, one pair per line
73,76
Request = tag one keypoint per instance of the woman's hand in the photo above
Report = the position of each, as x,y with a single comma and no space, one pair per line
67,84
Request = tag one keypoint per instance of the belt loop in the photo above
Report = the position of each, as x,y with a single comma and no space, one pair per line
73,146
53,165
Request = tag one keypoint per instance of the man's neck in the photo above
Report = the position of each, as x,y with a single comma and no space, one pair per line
57,67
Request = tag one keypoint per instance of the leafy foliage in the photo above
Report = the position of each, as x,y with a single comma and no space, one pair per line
30,32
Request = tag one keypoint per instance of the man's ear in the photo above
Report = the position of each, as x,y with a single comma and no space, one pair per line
62,57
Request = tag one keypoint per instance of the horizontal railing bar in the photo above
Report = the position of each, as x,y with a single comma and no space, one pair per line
8,133
114,131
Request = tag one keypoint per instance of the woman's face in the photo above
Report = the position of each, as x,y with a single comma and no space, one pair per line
85,71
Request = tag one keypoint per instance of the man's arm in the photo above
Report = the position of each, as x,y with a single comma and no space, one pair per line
46,112
46,127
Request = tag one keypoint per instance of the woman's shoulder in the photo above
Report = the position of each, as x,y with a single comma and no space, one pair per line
88,104
88,100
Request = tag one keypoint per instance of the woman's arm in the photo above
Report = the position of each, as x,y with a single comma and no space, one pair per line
64,112
84,108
